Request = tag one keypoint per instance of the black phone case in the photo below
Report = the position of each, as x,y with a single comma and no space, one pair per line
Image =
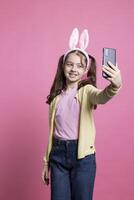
109,54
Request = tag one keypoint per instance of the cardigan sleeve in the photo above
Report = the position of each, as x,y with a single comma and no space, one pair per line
45,157
99,96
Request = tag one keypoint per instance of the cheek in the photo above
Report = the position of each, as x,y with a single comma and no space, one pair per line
82,72
66,70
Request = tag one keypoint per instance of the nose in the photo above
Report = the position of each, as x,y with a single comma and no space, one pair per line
74,67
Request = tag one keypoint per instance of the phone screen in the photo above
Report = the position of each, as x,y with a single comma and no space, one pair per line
109,54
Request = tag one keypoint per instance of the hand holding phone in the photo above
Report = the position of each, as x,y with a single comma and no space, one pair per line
109,54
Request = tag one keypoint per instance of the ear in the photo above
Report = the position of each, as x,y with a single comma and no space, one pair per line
84,39
73,41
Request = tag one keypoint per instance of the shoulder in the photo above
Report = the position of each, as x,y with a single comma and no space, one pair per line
54,101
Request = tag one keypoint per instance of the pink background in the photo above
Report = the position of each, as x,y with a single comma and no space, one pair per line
33,34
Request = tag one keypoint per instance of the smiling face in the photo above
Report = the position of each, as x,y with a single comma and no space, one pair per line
74,68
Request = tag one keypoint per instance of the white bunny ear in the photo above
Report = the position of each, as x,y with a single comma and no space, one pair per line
73,41
84,39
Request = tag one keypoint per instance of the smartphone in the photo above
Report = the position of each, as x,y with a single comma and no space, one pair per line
109,54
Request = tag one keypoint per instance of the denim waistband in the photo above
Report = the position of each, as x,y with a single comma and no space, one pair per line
64,141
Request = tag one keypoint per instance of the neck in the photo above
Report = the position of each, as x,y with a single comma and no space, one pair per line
71,85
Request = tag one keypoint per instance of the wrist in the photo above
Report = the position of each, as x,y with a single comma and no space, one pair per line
45,163
115,86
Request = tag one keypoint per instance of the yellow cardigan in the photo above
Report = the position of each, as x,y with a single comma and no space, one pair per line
87,96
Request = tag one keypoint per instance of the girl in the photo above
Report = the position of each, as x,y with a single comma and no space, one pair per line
70,155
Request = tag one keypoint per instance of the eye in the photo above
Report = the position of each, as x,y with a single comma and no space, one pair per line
69,64
80,66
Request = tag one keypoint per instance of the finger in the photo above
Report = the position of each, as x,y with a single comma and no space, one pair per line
110,79
114,72
44,176
112,65
108,72
109,69
45,180
116,68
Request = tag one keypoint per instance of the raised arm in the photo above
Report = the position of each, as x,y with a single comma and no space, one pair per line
98,96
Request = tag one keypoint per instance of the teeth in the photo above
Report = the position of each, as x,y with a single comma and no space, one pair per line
72,74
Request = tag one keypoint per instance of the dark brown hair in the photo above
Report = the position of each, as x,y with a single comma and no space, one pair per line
59,82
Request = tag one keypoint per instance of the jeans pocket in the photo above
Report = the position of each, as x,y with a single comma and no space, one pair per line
55,149
90,158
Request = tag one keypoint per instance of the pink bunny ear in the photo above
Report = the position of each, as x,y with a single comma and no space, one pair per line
83,43
73,41
84,39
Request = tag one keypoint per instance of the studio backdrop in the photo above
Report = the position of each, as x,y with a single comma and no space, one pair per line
33,35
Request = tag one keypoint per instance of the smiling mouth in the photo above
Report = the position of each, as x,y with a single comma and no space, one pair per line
72,75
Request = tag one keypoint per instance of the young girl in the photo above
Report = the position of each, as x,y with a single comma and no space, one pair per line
70,155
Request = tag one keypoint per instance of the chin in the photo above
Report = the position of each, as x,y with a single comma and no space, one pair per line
73,81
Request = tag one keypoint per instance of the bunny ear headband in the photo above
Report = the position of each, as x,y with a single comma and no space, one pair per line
83,43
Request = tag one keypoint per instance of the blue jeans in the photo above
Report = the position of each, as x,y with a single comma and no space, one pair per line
71,178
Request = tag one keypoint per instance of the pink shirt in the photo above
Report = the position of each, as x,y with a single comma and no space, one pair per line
67,115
